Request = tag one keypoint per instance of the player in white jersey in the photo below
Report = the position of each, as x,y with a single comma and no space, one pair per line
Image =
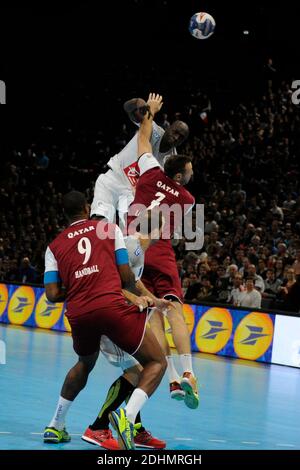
114,190
98,433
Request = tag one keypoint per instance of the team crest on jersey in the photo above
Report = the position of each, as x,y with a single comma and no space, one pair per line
132,173
138,251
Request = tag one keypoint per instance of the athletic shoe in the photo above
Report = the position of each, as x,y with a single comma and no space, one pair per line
101,437
124,429
176,391
189,384
54,436
145,439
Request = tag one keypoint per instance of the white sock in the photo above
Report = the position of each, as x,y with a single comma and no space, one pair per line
172,372
58,420
186,362
135,404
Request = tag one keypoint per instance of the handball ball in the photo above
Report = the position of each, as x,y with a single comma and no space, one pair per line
202,25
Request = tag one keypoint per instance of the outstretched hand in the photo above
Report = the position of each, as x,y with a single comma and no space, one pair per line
155,102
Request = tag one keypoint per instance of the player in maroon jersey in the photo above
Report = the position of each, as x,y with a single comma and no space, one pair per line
87,265
156,187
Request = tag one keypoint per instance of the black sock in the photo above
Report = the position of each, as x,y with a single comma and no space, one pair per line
117,393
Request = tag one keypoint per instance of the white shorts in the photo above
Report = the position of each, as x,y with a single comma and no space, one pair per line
116,356
111,194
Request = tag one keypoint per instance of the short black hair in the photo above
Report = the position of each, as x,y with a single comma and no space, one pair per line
176,164
74,204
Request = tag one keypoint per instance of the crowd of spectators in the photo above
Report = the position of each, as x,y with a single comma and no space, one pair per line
246,172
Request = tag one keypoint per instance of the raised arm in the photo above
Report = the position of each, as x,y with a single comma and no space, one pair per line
144,134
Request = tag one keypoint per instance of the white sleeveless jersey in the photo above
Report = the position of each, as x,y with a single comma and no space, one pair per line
124,164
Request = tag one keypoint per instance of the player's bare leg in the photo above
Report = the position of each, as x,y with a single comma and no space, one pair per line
75,381
99,433
120,390
151,357
76,378
180,333
158,327
142,437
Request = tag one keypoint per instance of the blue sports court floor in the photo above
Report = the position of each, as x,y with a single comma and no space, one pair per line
243,405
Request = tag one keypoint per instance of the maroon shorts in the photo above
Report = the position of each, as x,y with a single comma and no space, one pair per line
162,284
123,324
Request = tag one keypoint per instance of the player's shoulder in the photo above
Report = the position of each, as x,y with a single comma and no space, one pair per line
148,165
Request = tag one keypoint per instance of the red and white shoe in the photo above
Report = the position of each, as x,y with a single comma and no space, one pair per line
145,439
102,438
176,392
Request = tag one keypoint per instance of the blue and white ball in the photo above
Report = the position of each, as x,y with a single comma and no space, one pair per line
202,25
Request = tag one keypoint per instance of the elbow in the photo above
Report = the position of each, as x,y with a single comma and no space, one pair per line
51,298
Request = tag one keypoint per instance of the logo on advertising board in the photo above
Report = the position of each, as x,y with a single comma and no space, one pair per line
253,336
21,305
47,313
214,330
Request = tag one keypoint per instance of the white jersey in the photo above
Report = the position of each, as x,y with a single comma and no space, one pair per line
124,164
